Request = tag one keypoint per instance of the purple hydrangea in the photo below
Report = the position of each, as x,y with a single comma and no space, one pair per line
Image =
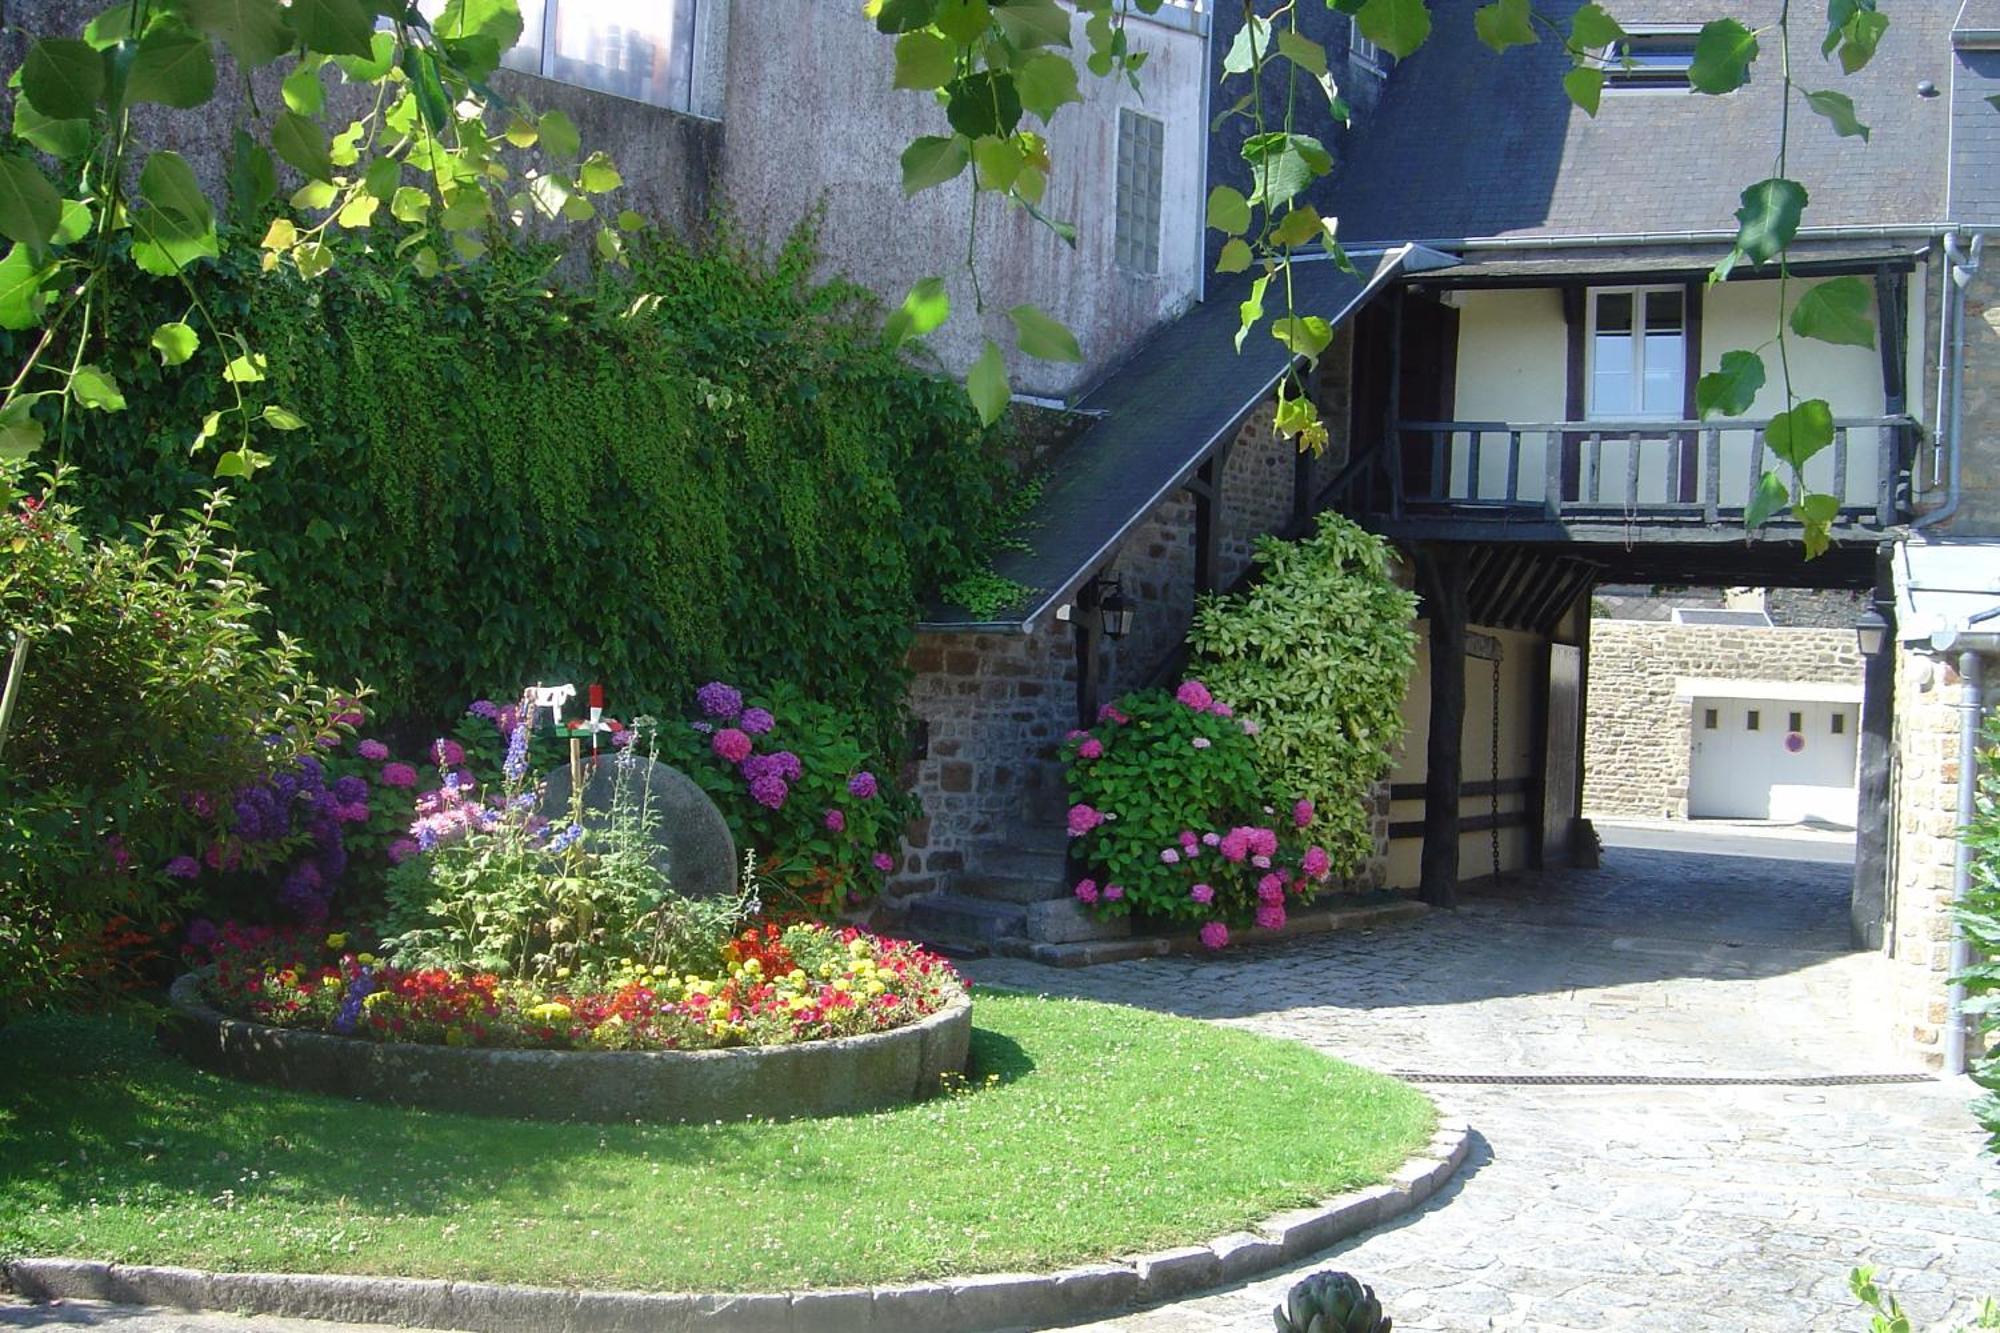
373,751
884,862
787,766
184,867
862,785
350,790
400,775
770,791
485,708
756,721
719,700
835,821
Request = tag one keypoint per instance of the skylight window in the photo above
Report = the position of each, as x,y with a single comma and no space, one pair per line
1651,56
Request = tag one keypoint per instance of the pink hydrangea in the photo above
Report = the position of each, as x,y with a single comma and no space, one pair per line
1271,889
1263,841
1202,893
448,753
1083,818
401,850
1200,742
1261,862
1271,915
1316,862
1086,890
1215,935
1221,709
353,813
1112,713
1090,748
398,775
730,745
1075,734
1235,844
1302,813
373,751
1169,856
1193,694
1210,839
1250,727
1113,892
884,862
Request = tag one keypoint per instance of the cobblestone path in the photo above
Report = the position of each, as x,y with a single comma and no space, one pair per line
1616,1207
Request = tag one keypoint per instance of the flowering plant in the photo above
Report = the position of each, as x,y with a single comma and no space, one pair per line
1169,816
769,987
796,786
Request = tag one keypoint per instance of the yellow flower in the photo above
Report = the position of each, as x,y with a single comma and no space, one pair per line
843,985
365,959
562,974
336,941
549,1012
876,988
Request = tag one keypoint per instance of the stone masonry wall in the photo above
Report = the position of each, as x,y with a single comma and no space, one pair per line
1925,846
1638,732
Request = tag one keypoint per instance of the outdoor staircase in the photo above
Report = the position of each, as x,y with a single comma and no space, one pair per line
1013,893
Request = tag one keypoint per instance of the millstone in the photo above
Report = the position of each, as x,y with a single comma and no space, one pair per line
694,849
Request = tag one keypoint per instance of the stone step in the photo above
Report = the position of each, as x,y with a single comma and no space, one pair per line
952,917
1009,888
1015,861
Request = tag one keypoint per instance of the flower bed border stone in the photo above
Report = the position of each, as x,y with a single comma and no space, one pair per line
836,1076
981,1303
1305,921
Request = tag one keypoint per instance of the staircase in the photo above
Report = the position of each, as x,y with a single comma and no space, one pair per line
1013,893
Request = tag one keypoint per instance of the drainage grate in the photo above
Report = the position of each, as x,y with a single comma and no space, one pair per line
1672,1080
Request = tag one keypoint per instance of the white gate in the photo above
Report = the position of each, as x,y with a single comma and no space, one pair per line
1777,759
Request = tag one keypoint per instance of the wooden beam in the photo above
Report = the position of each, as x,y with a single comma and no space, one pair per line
1414,791
1207,528
1874,756
1088,624
1441,575
1404,829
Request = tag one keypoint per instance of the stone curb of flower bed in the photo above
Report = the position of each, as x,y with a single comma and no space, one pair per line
1310,921
835,1076
978,1304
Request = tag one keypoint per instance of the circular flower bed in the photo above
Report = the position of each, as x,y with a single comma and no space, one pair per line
806,1020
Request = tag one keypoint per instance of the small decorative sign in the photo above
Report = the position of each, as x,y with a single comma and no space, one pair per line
1794,742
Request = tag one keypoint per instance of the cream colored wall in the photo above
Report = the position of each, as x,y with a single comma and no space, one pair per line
1519,653
1512,366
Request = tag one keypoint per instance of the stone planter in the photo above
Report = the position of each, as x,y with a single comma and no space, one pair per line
834,1077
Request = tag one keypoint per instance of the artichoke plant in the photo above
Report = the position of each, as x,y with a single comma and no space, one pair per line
1330,1302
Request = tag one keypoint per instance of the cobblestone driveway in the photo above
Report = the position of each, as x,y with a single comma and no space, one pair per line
1593,1207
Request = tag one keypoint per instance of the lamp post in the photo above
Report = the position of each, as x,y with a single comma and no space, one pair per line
1871,632
1116,610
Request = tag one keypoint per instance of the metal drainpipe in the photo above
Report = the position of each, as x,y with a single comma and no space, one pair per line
1971,706
1960,266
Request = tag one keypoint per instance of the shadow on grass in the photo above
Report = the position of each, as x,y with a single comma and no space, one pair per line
994,1054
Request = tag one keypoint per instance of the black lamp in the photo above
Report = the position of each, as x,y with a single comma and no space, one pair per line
1116,610
1871,632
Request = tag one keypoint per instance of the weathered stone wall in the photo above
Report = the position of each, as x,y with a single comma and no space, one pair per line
1638,733
1924,796
1979,431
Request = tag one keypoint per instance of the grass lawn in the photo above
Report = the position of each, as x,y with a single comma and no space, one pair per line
1109,1130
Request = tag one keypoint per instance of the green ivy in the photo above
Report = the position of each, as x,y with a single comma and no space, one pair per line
706,464
1319,652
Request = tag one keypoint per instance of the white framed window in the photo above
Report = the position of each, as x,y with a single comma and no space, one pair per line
1636,353
644,52
1363,50
1656,56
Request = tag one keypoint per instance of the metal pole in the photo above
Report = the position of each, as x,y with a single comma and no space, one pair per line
1971,707
17,667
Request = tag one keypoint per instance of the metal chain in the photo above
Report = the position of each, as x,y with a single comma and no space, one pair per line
1493,790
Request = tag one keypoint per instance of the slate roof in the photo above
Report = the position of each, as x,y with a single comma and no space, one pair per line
1661,263
1469,144
1180,396
1975,124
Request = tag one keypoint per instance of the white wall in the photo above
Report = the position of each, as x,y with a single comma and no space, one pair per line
1512,366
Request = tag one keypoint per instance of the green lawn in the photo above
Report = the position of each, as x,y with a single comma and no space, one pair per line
1110,1130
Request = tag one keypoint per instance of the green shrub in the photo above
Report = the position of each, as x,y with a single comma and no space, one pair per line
706,465
1979,919
150,693
1318,652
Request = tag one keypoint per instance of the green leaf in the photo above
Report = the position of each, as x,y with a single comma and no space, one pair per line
30,208
20,433
1769,217
303,92
65,139
927,306
559,137
21,297
375,66
246,369
409,204
1839,310
168,183
235,463
1732,388
75,223
1304,52
283,418
496,21
1046,81
924,60
254,30
963,21
314,195
1592,29
1797,435
334,27
302,144
1235,256
998,162
1585,86
173,67
933,160
1251,41
96,390
1228,211
1838,108
1301,226
983,103
986,383
1041,337
253,178
1855,29
1251,310
1304,335
1722,57
1505,24
358,211
175,342
904,15
1032,23
1770,496
598,176
110,27
1283,164
384,174
63,77
420,67
1397,26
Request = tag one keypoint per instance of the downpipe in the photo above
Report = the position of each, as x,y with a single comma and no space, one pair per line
10,693
1949,416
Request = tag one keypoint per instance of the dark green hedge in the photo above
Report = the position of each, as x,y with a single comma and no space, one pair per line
708,466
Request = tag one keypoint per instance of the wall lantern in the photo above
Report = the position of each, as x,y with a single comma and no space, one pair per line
1116,610
1871,632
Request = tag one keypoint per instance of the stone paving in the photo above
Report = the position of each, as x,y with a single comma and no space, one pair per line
1608,1207
1590,1206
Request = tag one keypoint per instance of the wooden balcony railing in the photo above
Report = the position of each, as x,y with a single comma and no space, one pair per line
1681,471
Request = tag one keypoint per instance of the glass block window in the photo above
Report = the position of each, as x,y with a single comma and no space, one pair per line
1142,142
